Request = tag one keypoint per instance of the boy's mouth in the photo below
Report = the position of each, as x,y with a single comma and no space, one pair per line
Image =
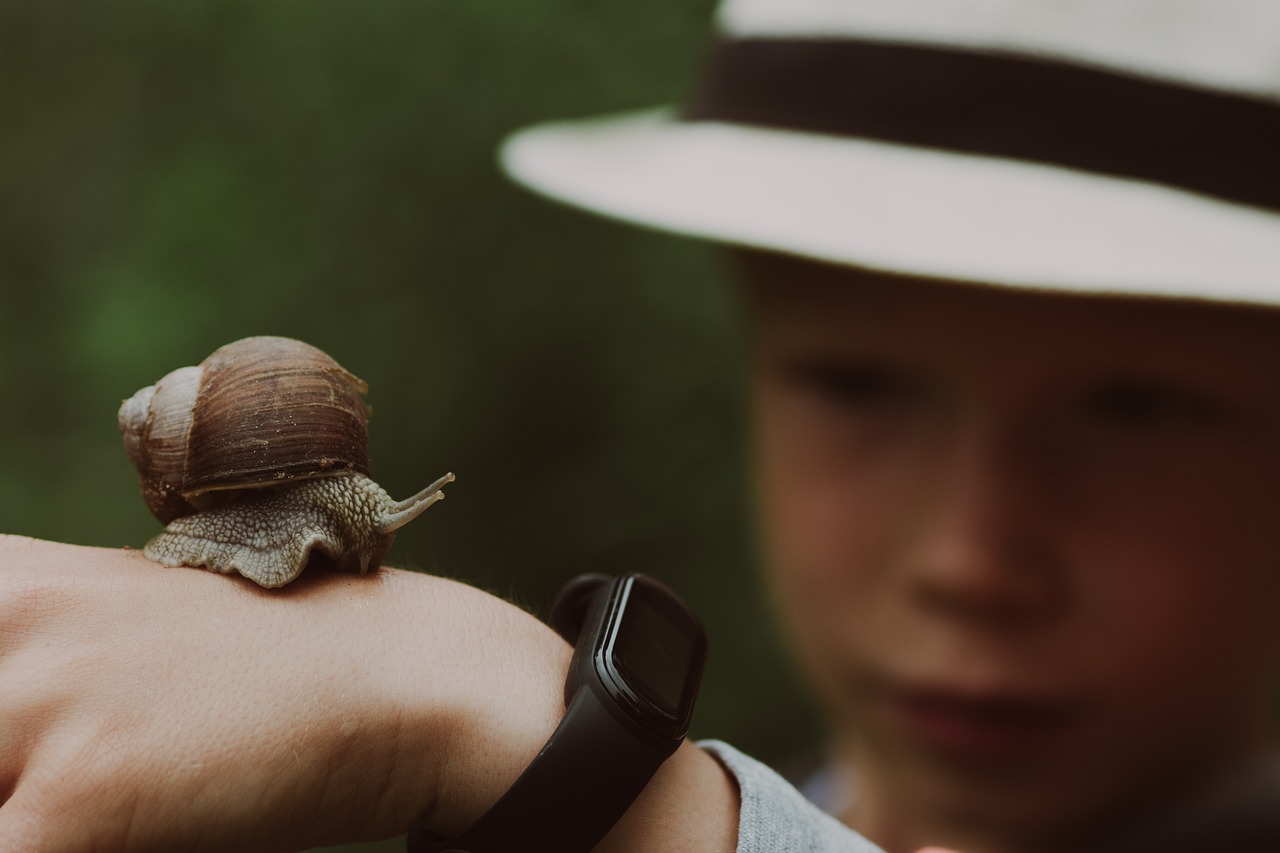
978,727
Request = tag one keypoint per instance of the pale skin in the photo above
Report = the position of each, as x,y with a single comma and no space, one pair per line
959,490
151,709
1025,546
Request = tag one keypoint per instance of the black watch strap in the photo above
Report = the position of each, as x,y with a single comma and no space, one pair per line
596,762
567,799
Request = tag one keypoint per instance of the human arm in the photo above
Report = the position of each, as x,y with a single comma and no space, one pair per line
144,708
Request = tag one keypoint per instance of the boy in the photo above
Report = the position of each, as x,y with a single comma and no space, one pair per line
1013,391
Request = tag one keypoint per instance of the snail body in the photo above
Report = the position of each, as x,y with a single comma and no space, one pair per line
257,458
269,534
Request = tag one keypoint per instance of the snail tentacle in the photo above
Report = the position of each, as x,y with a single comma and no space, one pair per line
400,513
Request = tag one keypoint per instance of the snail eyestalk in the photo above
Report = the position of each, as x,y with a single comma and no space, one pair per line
410,508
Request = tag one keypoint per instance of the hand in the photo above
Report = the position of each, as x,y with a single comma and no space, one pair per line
144,708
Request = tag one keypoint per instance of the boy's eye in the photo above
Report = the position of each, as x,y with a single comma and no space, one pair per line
1142,404
852,384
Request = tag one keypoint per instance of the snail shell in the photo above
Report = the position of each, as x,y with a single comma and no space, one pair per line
258,411
257,457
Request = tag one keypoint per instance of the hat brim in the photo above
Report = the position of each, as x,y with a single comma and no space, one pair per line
904,209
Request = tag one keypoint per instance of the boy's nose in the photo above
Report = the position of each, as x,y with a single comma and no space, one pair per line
984,548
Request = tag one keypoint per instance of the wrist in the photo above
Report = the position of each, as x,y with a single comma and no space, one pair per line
482,693
633,678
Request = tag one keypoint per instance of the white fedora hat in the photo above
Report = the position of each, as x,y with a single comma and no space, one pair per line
1102,146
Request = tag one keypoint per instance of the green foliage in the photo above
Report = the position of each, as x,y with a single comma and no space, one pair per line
177,175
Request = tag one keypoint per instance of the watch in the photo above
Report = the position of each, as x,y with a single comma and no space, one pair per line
637,662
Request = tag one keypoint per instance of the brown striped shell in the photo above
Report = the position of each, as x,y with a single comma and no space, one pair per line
257,412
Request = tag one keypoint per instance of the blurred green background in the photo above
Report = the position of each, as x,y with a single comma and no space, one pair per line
174,176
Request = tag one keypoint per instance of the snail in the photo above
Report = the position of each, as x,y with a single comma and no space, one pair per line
258,457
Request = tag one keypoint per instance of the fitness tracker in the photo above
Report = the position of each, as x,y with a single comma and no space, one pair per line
637,661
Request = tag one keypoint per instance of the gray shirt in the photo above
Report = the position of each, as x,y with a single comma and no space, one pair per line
1237,814
775,817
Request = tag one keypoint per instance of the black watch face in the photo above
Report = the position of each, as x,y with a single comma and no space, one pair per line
654,652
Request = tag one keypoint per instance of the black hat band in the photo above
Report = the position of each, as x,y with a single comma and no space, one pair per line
1214,143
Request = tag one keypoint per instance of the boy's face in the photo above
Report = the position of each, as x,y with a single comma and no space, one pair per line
1027,546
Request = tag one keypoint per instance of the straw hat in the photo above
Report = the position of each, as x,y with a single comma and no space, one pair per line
1127,146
